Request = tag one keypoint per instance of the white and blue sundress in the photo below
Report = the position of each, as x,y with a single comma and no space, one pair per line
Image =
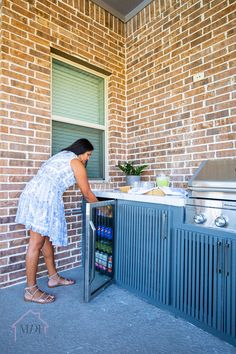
41,206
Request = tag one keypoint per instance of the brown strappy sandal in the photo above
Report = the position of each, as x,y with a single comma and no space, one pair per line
44,298
59,281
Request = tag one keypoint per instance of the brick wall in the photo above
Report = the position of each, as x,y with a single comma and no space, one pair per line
167,121
172,122
29,30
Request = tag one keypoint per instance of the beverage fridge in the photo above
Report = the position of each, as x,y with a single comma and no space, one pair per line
98,248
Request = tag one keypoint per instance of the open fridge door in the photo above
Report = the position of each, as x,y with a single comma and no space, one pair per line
99,247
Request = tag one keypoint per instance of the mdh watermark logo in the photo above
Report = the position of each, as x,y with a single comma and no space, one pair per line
29,324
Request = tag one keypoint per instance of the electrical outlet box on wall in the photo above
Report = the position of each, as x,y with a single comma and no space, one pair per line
199,76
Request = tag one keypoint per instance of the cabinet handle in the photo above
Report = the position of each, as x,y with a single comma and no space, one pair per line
218,269
93,250
226,258
163,225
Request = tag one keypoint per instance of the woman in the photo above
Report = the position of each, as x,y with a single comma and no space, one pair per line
41,210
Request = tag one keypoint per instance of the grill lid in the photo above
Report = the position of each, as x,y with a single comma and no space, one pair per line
215,175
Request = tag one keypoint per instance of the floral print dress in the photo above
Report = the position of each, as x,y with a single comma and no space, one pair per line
41,207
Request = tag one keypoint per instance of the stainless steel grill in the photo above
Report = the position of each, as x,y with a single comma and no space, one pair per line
212,195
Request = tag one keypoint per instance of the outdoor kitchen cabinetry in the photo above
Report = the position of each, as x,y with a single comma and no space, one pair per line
204,277
143,249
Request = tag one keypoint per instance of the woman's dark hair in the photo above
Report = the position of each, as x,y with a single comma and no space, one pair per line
79,147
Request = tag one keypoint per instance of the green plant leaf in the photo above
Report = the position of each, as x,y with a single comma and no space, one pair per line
140,169
129,169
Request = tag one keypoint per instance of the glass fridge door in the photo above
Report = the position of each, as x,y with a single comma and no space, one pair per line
99,247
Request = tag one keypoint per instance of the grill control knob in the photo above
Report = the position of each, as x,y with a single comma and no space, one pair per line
199,218
221,221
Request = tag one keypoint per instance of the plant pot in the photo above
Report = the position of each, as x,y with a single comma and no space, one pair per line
131,179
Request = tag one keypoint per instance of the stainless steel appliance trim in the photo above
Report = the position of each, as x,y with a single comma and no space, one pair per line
215,173
90,243
87,257
213,195
210,203
91,224
210,188
211,184
211,215
101,204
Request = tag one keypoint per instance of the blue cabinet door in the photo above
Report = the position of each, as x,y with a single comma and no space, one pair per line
143,250
204,278
197,276
229,288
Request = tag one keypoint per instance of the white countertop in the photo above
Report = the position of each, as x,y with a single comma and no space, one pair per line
167,200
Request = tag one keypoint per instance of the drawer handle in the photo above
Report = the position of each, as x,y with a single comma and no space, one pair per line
163,225
218,269
227,259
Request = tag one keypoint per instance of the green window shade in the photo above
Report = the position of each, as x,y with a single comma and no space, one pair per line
64,134
77,94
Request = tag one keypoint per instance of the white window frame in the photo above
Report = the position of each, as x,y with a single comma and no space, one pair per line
83,123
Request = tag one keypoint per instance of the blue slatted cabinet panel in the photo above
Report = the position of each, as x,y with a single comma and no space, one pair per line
204,278
143,250
229,288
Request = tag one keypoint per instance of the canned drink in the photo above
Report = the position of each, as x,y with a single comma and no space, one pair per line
97,260
105,231
101,230
109,264
109,233
98,230
105,257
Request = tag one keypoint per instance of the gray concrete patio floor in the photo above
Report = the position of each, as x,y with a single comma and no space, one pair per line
114,322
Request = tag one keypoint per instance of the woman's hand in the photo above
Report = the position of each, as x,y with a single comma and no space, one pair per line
105,211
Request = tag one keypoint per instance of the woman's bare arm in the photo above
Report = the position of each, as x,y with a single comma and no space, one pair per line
82,180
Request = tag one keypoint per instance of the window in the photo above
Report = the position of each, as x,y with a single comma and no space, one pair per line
78,111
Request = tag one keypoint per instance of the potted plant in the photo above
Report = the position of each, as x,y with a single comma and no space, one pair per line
133,173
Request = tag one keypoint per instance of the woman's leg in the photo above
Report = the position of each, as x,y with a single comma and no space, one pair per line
48,253
32,257
32,293
54,278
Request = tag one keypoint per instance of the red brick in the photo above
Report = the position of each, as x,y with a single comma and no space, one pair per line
152,65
